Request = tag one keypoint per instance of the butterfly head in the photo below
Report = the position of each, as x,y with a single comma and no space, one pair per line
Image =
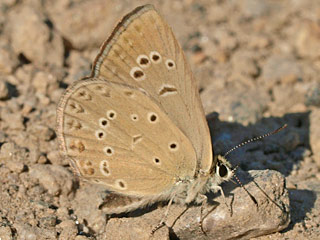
222,171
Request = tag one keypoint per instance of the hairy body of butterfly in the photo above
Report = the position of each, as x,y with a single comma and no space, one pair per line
136,125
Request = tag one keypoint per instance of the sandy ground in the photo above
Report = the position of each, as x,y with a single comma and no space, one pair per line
258,67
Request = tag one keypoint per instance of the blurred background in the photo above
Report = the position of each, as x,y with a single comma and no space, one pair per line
257,63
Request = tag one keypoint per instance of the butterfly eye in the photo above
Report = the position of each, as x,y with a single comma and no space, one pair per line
223,171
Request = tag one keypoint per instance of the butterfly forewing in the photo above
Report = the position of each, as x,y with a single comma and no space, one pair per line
142,52
118,136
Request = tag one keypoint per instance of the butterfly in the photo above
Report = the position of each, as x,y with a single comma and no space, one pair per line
136,124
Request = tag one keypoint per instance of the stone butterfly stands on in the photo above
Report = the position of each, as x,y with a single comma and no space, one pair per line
247,221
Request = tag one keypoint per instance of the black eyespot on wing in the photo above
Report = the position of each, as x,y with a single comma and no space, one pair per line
138,74
144,61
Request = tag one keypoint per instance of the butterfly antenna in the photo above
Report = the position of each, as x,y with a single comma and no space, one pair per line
255,139
241,185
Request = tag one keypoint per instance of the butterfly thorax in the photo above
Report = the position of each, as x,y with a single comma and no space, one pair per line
192,190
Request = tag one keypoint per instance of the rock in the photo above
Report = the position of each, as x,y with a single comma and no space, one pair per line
247,220
42,159
68,230
305,94
259,41
56,94
8,60
245,65
83,28
217,14
40,82
220,56
43,45
291,141
226,39
13,155
8,3
5,233
89,214
55,158
79,67
307,40
47,222
252,8
44,82
4,91
27,232
24,74
79,237
15,166
43,132
199,57
281,68
63,214
55,179
238,106
312,95
315,133
139,228
13,121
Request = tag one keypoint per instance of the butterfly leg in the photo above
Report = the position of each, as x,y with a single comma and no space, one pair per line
204,205
202,216
219,188
203,200
174,222
163,220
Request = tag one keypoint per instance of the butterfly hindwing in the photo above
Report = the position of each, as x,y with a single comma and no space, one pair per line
118,136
